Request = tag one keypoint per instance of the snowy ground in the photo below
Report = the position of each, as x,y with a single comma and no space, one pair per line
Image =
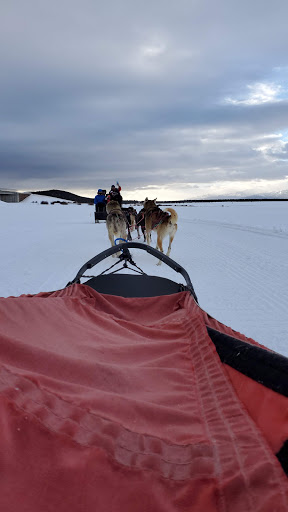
235,254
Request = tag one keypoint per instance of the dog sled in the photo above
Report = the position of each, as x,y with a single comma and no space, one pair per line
100,215
119,393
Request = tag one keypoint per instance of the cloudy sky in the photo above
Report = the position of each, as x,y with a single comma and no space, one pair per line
175,99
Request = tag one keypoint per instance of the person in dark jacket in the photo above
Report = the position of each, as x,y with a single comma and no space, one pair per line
115,195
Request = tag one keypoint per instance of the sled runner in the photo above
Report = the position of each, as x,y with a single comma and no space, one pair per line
119,393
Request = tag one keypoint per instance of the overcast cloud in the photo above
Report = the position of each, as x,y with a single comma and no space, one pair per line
177,99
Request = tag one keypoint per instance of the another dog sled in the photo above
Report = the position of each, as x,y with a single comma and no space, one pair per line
100,215
122,394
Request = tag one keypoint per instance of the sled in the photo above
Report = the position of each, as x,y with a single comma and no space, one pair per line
100,216
119,393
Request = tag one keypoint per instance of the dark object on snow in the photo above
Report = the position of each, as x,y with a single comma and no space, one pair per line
100,213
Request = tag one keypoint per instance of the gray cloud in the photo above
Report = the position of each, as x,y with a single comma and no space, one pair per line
97,91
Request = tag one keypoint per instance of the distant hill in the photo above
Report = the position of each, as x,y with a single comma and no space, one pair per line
283,194
67,196
265,196
273,196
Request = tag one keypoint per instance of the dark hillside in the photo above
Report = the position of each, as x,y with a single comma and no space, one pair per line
62,194
68,196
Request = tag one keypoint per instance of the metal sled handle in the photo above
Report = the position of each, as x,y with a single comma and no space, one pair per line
125,249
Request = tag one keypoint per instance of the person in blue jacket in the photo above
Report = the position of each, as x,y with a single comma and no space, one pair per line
100,201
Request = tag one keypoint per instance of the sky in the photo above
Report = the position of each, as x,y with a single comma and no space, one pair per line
175,100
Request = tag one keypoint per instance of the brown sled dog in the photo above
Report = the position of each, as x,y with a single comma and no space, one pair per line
162,221
116,223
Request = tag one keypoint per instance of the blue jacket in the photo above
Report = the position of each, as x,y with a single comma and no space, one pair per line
100,198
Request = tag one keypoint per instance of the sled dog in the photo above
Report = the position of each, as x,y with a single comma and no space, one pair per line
140,221
162,221
131,215
116,223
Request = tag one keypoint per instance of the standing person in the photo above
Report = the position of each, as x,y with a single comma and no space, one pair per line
115,193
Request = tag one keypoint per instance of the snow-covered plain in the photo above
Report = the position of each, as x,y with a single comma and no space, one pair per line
235,254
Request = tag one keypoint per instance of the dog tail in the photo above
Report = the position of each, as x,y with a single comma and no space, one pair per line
174,216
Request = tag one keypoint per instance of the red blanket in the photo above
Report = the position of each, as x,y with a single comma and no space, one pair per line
111,404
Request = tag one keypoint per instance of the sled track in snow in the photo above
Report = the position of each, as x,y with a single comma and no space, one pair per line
248,265
240,227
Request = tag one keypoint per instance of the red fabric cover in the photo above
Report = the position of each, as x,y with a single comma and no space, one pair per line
116,404
267,408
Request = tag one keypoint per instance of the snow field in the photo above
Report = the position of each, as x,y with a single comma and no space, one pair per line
235,254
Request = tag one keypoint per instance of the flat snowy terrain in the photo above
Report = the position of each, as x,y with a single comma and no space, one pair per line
235,254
